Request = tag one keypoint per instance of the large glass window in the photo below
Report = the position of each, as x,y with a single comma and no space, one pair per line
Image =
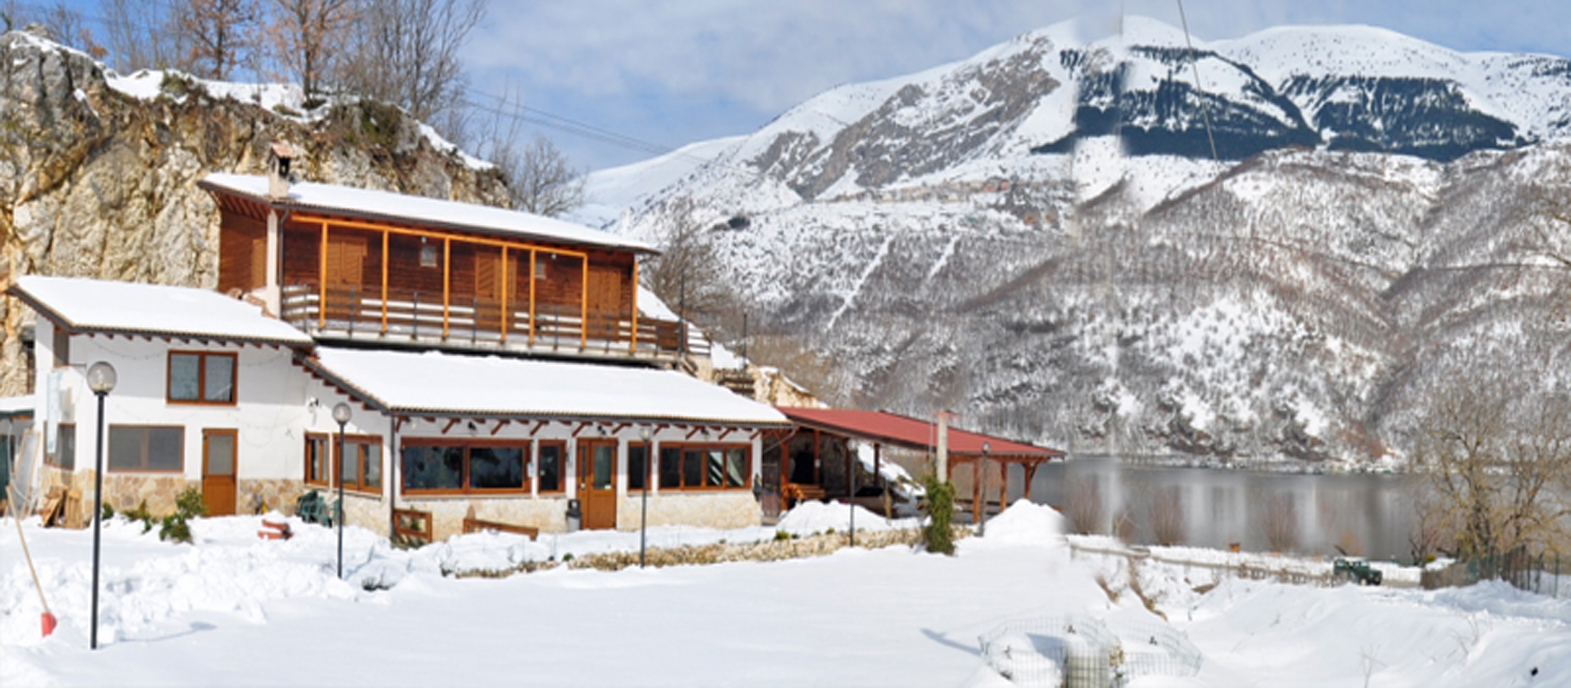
201,377
146,448
699,467
496,468
431,467
551,456
464,467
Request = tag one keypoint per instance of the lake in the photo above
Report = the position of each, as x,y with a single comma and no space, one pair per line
1365,514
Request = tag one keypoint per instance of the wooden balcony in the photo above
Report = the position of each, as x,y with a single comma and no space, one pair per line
417,319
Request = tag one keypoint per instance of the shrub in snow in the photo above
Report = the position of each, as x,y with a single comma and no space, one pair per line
940,511
175,526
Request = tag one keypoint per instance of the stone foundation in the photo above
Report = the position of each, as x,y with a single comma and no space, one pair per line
730,509
257,495
123,492
549,514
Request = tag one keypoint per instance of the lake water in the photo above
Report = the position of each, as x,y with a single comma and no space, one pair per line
1366,514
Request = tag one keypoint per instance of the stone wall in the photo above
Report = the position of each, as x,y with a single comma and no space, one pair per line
549,514
123,492
258,495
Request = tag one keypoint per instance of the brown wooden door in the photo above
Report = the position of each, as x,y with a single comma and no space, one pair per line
219,453
597,483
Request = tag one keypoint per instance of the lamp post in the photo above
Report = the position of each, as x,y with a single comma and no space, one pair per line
644,433
101,379
982,477
341,413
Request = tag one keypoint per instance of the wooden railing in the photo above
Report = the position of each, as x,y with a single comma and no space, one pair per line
478,322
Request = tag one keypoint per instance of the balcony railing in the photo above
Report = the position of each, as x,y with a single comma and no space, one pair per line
415,318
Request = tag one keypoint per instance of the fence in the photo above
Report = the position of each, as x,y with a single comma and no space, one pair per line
1078,651
1543,573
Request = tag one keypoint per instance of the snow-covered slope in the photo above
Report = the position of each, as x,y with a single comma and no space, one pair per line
1039,235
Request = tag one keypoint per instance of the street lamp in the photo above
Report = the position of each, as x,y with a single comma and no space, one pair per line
341,413
644,433
101,379
982,477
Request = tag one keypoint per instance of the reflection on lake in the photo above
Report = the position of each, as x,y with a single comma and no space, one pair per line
1366,514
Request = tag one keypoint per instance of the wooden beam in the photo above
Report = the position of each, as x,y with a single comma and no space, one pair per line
503,276
321,278
723,435
581,427
695,431
447,281
538,426
384,281
533,317
450,425
583,309
632,347
404,231
620,428
499,425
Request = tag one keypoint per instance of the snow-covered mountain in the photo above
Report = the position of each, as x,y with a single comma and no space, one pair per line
1039,236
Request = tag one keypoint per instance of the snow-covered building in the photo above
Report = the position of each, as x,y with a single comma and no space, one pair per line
497,364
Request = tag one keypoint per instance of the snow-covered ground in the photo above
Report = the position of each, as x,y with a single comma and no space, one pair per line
232,609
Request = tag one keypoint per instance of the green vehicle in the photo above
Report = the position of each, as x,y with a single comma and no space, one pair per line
1356,571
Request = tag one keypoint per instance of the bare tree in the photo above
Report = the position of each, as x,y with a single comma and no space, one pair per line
139,36
406,52
304,36
1167,516
1279,520
1085,506
1498,465
540,178
685,275
221,33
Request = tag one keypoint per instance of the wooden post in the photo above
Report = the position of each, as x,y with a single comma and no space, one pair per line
632,348
818,460
447,280
533,317
321,304
1003,485
503,270
976,491
385,234
583,308
1030,474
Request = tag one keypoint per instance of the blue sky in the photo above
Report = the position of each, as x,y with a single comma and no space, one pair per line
672,72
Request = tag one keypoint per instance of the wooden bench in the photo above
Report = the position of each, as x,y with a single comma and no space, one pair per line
475,525
802,492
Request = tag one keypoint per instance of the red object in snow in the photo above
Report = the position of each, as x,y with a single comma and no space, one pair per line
274,530
49,624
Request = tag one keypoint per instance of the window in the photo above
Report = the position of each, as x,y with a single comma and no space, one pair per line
428,255
539,269
551,458
635,466
464,468
201,378
65,447
363,469
316,454
146,448
703,467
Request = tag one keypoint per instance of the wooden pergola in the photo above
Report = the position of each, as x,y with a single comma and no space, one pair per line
880,428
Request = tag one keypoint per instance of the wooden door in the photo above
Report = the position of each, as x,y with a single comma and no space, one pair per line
218,471
597,483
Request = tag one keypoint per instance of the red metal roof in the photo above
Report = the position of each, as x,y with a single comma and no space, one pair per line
908,432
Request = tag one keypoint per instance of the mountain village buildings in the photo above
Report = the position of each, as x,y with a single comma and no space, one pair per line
501,368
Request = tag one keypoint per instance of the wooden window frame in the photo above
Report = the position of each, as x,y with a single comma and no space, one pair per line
463,476
53,459
562,478
201,378
326,458
358,485
682,449
62,347
108,454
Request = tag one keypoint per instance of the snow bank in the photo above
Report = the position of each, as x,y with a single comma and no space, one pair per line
1023,523
817,517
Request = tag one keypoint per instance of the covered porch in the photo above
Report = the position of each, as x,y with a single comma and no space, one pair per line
818,462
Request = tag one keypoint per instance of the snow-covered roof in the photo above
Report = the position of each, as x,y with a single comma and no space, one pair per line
448,384
16,406
87,305
386,205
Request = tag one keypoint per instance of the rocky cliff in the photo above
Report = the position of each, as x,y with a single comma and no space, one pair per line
98,173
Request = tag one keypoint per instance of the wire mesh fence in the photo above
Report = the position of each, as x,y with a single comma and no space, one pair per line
1543,573
1078,651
